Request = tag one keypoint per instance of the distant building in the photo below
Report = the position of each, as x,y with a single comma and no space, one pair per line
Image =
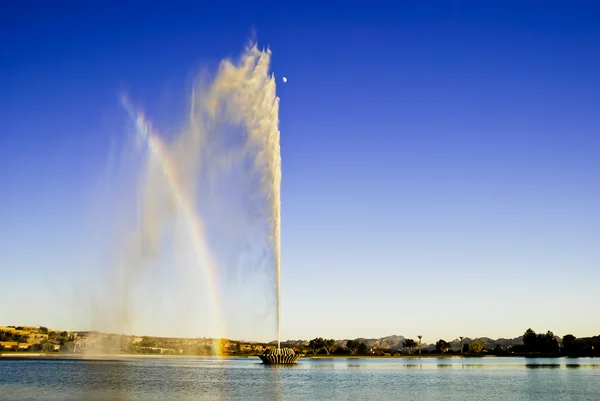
12,345
7,329
36,338
160,350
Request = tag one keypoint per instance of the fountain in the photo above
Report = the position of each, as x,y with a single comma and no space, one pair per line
242,95
279,356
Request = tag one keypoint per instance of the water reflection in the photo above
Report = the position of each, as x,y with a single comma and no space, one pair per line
444,365
116,378
414,365
542,365
577,365
275,366
275,382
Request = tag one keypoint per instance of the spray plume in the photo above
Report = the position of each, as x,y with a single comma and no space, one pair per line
250,98
242,95
179,190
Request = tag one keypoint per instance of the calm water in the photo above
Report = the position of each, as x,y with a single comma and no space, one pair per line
323,379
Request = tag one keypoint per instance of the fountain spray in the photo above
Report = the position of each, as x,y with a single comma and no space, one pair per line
242,94
248,93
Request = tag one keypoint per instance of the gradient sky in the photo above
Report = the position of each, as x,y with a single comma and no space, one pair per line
440,159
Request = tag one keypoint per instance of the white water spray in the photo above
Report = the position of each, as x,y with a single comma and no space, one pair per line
248,92
241,95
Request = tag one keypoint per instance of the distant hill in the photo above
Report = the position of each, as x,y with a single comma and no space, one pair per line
292,342
388,342
488,343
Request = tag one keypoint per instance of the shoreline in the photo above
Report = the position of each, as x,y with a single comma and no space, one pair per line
111,357
116,357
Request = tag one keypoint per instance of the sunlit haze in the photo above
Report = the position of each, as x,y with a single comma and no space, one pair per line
439,169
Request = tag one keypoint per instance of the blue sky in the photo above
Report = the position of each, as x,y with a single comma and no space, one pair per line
440,159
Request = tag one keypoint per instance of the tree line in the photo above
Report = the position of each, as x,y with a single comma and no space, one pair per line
532,343
329,346
569,345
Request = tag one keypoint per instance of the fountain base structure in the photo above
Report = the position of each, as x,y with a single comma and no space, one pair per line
279,356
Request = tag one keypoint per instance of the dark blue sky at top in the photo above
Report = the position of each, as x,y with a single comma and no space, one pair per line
419,136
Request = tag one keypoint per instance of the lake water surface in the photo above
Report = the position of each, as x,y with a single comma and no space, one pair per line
310,379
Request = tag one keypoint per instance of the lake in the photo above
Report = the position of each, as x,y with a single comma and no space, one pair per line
310,379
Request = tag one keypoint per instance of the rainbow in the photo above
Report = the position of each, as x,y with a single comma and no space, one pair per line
186,204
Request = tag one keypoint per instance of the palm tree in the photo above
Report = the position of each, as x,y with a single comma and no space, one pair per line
420,336
461,344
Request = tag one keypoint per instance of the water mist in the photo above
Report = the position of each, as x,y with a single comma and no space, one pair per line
233,121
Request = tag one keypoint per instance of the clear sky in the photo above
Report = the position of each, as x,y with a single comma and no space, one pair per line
440,159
